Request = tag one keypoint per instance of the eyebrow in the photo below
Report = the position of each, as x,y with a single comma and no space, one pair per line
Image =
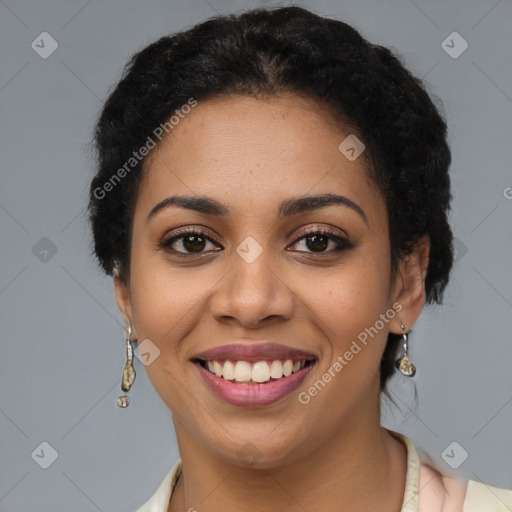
292,206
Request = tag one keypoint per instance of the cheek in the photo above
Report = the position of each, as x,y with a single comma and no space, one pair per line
169,304
164,297
165,316
351,302
159,307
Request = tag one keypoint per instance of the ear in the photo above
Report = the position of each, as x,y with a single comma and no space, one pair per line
409,286
123,299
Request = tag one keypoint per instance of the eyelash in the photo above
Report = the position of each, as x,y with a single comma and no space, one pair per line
342,243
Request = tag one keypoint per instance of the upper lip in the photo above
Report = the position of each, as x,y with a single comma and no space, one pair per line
253,352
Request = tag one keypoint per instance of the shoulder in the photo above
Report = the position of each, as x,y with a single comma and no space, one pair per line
485,497
159,501
440,492
446,493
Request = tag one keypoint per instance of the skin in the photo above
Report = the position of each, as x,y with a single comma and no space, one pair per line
251,154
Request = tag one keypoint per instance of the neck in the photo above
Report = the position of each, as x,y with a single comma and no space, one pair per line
362,468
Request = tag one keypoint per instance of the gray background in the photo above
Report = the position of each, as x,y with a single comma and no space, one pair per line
62,347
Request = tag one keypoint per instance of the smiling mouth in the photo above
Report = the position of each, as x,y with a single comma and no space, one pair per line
254,372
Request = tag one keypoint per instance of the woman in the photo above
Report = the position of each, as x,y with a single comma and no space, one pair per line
271,200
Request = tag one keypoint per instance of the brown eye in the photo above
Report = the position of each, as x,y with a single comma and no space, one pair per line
318,241
187,243
194,243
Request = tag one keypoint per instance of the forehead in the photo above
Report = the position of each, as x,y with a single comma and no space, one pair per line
251,152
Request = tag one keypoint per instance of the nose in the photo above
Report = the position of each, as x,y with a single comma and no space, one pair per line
253,293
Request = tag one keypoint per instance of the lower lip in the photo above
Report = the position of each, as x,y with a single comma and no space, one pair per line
254,395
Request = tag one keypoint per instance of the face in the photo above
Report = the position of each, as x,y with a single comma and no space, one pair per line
314,277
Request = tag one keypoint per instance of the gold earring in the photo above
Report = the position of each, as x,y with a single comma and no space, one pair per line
128,373
403,363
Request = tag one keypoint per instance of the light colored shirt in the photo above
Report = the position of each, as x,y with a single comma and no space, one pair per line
438,493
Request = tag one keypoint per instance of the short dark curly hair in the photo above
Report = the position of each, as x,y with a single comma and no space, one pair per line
267,51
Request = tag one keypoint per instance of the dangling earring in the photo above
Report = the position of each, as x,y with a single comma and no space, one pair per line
403,363
128,373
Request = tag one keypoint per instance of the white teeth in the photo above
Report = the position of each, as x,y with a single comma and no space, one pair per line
228,372
259,371
287,367
217,368
276,369
243,371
